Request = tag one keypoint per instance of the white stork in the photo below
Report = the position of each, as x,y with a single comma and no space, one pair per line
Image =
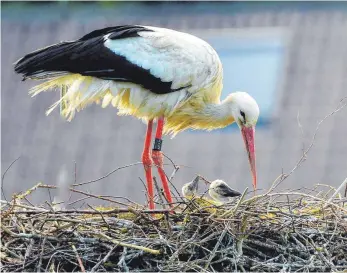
220,191
152,73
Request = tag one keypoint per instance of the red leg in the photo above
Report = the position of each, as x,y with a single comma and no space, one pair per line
158,159
147,164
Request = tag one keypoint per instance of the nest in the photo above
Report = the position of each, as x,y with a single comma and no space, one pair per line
275,231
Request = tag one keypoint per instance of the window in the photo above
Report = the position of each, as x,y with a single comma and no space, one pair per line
253,61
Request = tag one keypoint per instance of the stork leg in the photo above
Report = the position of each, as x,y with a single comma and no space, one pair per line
147,164
157,156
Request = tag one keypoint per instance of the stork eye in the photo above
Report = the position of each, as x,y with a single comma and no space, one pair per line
243,115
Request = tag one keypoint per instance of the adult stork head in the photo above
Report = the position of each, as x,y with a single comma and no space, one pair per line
245,112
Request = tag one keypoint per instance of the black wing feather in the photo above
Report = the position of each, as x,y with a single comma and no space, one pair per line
89,57
118,32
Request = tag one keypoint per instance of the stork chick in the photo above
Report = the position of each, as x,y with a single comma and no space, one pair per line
191,189
220,191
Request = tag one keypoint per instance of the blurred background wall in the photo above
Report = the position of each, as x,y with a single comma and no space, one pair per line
291,56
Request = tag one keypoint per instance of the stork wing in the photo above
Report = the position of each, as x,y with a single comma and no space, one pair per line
160,60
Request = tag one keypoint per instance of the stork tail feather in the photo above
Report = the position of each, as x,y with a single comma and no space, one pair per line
63,103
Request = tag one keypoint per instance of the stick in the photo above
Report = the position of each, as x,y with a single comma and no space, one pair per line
35,209
104,260
111,211
337,191
3,177
145,249
233,210
305,152
215,248
29,191
160,193
106,175
78,258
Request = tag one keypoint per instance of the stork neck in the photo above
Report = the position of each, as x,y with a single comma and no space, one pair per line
218,114
200,115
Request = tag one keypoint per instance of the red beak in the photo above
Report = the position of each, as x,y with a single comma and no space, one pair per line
248,138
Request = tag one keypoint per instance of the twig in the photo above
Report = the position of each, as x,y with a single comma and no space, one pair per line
102,217
97,196
79,200
78,258
111,211
233,210
160,193
28,251
176,168
174,173
107,175
146,195
215,248
29,191
116,242
3,177
104,260
36,209
343,184
305,152
309,196
122,262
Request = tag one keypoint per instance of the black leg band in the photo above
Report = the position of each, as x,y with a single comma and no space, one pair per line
157,144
